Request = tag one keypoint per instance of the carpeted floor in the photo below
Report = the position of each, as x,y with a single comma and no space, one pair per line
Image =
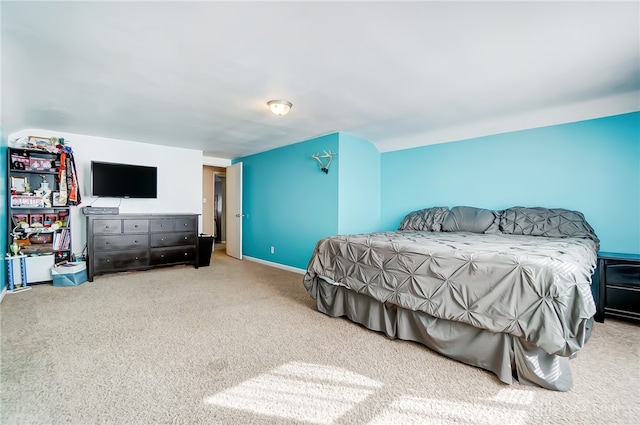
240,343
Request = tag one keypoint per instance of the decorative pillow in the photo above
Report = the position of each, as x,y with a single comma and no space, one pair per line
468,219
495,225
552,222
429,219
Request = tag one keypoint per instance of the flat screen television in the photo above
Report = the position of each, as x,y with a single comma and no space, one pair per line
111,180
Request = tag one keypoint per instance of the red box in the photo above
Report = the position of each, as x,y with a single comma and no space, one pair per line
36,218
19,162
49,219
17,218
63,216
40,164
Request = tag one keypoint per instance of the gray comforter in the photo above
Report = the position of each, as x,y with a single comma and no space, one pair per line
533,287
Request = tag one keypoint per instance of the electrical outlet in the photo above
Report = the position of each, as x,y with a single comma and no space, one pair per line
273,250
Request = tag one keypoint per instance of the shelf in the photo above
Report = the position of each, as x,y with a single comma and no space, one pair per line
41,248
28,161
40,208
31,171
16,171
35,230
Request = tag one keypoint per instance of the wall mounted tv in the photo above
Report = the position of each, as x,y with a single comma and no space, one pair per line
111,180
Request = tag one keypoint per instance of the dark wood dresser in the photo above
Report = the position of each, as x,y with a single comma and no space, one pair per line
618,286
118,243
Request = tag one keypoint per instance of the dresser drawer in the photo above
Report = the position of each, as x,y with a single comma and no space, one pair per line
623,300
120,242
622,273
179,224
173,255
120,260
136,226
172,239
162,225
186,224
107,226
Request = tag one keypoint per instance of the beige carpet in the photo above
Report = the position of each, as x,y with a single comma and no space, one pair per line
241,343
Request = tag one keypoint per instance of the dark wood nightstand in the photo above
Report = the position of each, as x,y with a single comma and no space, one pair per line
618,278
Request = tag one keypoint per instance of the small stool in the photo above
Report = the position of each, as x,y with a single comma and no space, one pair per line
23,272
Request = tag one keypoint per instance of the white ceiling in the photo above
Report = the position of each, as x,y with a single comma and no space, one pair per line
399,74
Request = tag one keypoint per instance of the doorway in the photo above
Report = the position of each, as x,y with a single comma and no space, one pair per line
213,202
219,204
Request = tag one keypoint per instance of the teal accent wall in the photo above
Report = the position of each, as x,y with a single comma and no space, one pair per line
3,196
290,203
591,166
359,185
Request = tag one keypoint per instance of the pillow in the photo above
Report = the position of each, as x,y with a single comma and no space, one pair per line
494,228
468,219
552,222
429,219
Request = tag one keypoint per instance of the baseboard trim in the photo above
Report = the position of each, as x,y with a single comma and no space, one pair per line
276,265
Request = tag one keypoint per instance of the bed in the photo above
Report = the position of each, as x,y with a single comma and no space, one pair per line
508,291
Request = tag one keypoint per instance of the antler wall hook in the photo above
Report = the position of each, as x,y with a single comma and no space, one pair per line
324,167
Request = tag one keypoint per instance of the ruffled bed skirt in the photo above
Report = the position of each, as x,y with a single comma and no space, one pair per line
505,355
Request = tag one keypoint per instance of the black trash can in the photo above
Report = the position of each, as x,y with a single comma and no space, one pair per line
205,248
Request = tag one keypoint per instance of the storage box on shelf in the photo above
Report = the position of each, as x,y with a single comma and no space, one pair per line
27,201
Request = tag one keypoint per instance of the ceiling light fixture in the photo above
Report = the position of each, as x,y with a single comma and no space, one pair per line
279,107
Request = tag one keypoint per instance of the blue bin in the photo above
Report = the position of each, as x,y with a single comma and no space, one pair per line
69,274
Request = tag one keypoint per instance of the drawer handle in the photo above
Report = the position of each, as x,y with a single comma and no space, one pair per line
107,242
106,227
185,238
136,226
161,255
135,241
137,258
162,239
185,224
108,261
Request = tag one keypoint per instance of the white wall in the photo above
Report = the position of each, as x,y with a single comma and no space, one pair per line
216,162
179,176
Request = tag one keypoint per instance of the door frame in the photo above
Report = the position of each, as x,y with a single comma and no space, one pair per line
233,211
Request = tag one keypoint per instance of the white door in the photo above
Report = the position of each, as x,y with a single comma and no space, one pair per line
234,210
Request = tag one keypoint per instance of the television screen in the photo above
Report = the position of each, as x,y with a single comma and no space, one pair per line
111,180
